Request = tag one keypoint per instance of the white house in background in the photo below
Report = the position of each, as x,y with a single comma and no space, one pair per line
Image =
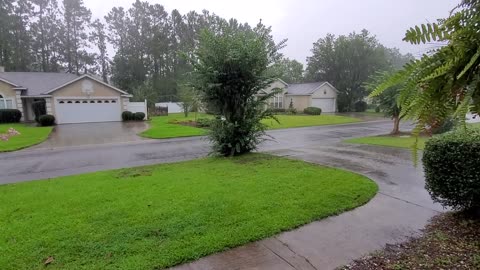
70,98
318,94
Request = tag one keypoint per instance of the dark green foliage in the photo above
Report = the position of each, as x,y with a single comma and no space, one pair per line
348,61
204,122
39,108
230,69
312,111
138,116
444,82
377,109
278,110
447,125
451,162
290,71
127,116
10,116
46,120
360,106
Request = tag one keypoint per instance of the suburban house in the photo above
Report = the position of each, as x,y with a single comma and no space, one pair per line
69,97
302,95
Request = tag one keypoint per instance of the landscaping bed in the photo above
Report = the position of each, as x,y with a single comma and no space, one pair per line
29,135
450,241
158,216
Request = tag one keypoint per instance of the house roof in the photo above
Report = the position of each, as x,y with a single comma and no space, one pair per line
44,83
305,89
37,83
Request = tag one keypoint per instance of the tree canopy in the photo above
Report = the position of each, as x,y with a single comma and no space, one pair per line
445,80
230,67
348,61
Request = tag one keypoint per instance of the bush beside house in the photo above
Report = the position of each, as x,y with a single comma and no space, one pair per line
10,116
130,116
46,120
312,111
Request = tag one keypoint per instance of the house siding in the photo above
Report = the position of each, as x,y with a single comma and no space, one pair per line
75,90
325,91
6,90
299,102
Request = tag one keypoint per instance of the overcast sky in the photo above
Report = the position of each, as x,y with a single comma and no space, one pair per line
305,21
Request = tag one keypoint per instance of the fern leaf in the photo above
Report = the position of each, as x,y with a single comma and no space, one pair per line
469,65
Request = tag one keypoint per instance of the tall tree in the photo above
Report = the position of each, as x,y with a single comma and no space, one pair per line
99,38
230,67
76,21
346,62
44,30
290,71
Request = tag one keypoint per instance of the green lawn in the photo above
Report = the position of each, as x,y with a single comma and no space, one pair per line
157,216
292,121
392,141
29,135
162,127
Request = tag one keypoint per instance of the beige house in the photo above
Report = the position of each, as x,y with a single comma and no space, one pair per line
302,95
70,98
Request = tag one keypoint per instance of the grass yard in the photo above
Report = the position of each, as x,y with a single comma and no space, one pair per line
163,127
293,121
158,216
29,135
392,141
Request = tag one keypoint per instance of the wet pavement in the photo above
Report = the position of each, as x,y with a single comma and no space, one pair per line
67,135
400,209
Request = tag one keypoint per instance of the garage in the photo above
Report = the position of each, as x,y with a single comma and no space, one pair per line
326,104
87,110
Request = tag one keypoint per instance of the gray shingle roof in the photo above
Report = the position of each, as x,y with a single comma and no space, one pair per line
38,83
303,88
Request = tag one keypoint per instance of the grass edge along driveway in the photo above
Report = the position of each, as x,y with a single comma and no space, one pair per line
390,141
162,215
29,136
162,127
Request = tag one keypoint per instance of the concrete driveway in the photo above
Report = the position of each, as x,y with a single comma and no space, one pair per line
68,135
400,209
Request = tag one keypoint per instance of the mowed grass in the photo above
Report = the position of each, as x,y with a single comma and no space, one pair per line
293,121
391,141
29,135
158,216
163,127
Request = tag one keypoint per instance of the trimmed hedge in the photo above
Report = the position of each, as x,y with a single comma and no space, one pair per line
138,116
10,116
46,120
127,116
204,122
452,169
312,111
39,108
360,106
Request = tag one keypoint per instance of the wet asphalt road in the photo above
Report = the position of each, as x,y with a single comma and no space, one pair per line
401,208
47,160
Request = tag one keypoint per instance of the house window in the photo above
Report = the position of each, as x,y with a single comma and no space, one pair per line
6,103
277,101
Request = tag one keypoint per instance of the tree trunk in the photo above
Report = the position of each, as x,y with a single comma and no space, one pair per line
396,125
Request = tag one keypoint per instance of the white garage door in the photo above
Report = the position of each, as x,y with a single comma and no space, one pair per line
87,110
326,104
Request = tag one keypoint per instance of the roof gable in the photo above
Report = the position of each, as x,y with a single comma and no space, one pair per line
89,77
306,89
